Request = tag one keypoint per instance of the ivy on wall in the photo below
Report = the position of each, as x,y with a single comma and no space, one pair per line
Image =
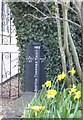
29,29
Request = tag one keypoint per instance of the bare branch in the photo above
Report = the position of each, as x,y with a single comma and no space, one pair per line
68,7
78,10
48,9
67,20
35,8
33,16
48,17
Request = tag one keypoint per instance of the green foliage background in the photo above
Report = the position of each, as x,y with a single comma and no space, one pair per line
29,29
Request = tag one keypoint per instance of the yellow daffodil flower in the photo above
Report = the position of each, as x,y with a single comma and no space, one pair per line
59,78
63,75
51,93
72,71
42,107
38,108
73,89
48,83
77,95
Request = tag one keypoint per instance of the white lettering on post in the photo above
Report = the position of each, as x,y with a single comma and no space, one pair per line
36,67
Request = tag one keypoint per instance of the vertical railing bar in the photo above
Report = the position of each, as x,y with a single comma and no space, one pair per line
10,58
18,73
2,75
10,77
2,52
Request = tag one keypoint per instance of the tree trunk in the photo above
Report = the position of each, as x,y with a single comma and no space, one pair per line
73,49
66,47
60,42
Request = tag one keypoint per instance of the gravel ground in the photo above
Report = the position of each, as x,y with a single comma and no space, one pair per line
13,108
1,109
5,102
